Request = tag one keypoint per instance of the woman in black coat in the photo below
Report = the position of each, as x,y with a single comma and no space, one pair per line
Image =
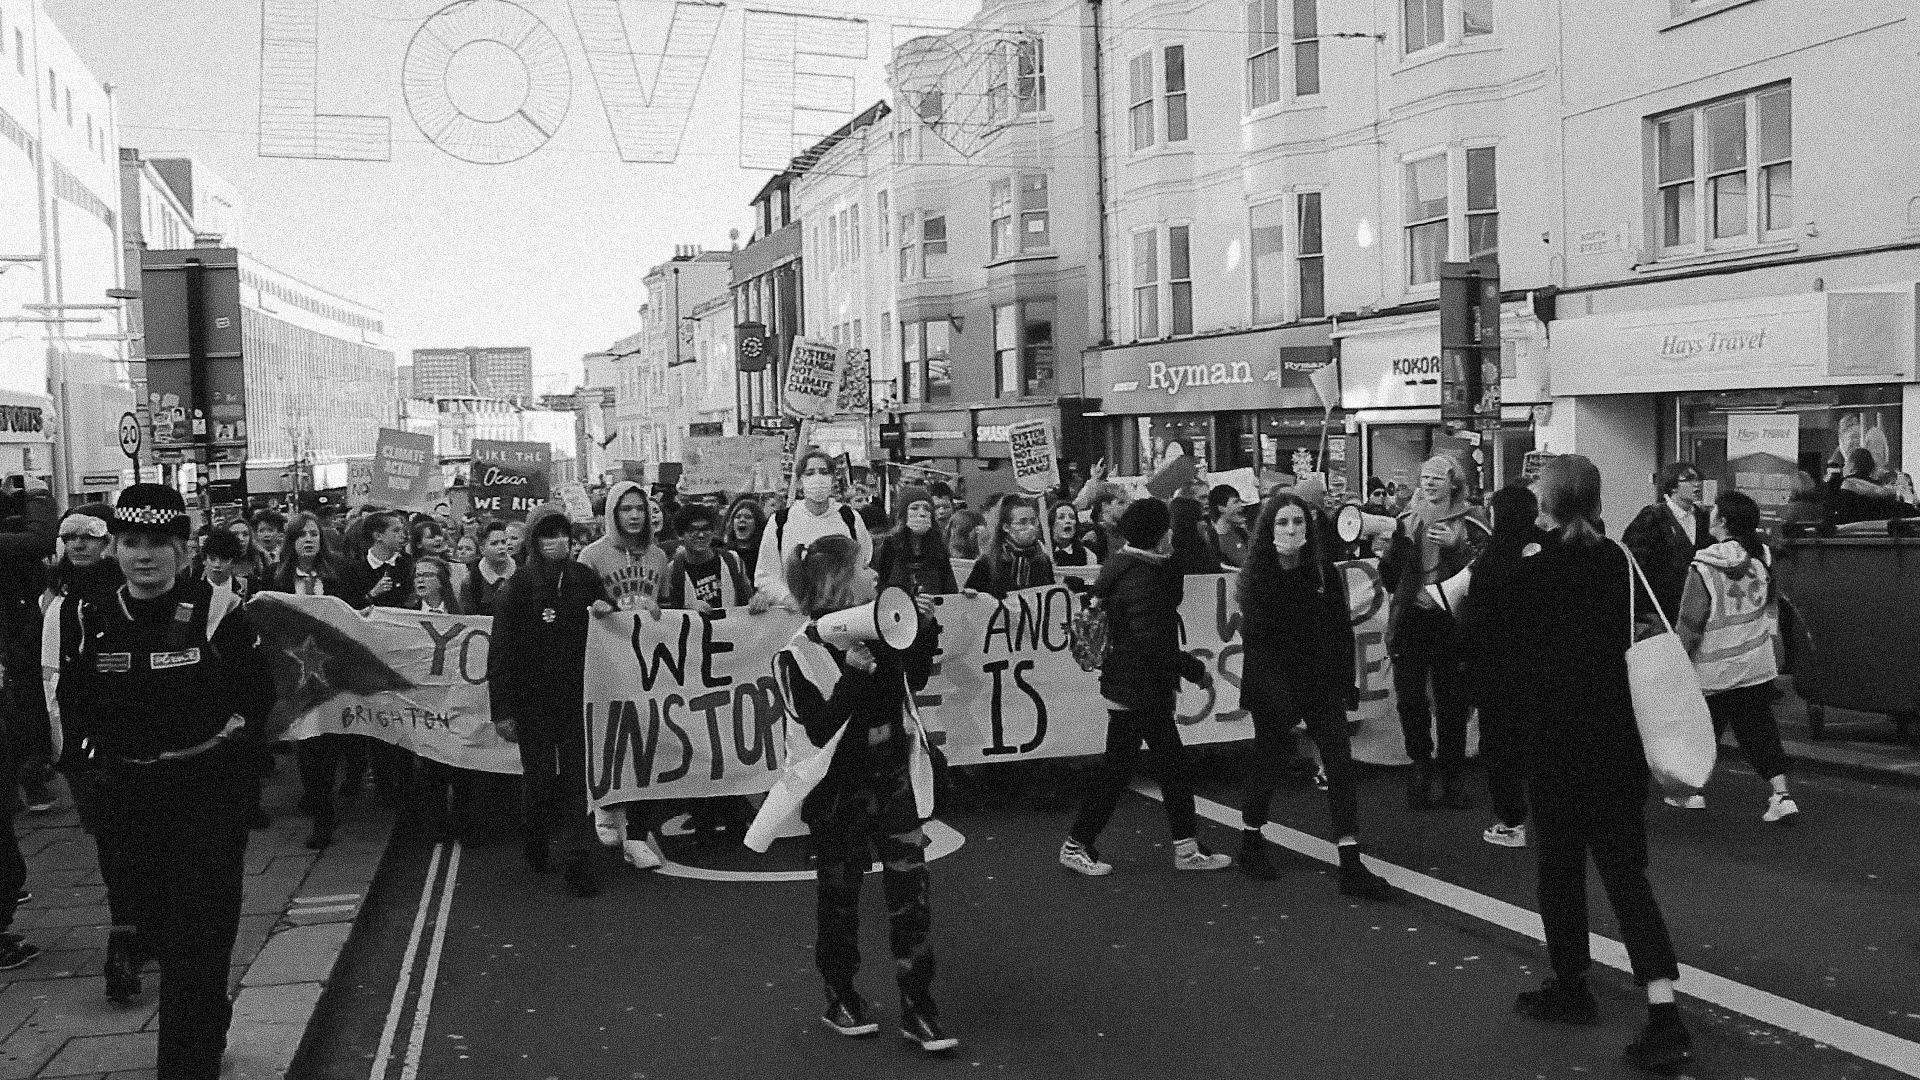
914,556
1140,680
1575,607
1297,630
1494,660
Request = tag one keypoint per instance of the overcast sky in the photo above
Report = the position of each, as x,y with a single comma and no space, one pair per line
548,251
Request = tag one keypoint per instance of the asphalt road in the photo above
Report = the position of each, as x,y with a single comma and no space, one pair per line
1147,973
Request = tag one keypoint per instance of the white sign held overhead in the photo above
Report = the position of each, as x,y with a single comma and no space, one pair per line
812,389
1036,468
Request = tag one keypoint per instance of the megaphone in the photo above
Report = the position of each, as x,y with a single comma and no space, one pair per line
1352,523
891,618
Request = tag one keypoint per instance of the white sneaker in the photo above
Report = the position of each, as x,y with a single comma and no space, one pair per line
1695,801
610,824
1503,836
1190,855
1780,807
639,855
1083,859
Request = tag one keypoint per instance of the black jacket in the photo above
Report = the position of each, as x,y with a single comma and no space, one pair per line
918,564
874,752
1145,661
1297,634
536,668
1493,656
1000,570
1665,550
358,576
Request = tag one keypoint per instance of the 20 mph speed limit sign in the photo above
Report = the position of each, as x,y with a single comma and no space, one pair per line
130,435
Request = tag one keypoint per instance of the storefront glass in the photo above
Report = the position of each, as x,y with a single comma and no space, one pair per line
1157,431
1756,441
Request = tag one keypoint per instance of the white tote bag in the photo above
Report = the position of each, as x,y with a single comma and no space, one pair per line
1668,705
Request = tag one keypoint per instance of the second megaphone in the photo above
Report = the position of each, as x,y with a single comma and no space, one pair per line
891,618
1352,523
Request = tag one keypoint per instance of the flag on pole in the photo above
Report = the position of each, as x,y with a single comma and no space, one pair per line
1326,383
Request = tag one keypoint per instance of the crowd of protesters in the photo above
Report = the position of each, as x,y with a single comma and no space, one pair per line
1514,605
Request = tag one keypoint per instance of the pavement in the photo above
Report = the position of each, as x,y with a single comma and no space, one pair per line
299,909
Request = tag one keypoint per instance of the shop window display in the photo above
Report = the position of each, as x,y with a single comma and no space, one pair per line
1762,441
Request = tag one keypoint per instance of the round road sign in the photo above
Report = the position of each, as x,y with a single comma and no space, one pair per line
130,435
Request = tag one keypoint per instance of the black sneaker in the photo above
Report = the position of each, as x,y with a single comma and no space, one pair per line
17,954
1559,1003
847,1014
918,1024
1661,1048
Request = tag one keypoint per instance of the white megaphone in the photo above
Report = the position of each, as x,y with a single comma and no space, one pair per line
891,618
1352,523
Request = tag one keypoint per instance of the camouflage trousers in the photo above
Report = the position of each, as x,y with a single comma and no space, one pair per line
863,821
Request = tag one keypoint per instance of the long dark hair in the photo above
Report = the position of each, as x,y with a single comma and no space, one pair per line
1741,517
1569,487
1263,562
820,575
727,539
325,561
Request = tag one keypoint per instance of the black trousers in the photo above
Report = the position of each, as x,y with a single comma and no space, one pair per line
553,763
183,829
13,873
862,821
1503,747
1125,732
1575,820
322,759
1426,650
1273,745
1748,710
109,846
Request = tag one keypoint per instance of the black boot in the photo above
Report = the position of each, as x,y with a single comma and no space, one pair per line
123,972
322,833
1560,1001
1664,1044
920,1023
1358,881
1419,785
580,877
1453,789
847,1012
1253,860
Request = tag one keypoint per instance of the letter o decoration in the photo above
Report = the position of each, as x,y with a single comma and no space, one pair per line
430,57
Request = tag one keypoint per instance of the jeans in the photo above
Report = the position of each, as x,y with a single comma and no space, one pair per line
1425,648
553,761
862,822
1748,710
183,829
1273,743
1125,732
1503,746
1571,822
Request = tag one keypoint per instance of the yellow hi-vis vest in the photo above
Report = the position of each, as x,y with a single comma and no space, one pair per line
1736,647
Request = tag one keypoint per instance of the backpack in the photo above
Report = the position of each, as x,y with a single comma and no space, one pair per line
847,518
1088,635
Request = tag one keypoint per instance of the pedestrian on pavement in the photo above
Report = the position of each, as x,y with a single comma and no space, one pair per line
859,699
818,514
1494,660
491,572
1145,664
1576,607
1435,539
1299,668
1666,532
1016,559
536,664
913,556
27,538
309,567
742,533
1729,622
165,691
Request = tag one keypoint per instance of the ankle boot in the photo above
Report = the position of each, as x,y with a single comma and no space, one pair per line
1358,881
122,972
1253,860
919,1023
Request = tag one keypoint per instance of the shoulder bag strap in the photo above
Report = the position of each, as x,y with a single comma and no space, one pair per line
1641,575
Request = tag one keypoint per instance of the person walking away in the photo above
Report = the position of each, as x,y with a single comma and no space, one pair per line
866,805
490,574
536,671
1576,606
27,540
1140,680
1730,626
1493,660
1016,559
1666,532
166,692
1191,538
818,514
1298,666
1436,538
913,556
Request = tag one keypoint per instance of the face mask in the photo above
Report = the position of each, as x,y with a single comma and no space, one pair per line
1289,545
816,487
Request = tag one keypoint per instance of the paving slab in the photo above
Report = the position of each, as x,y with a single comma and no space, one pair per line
298,954
92,1055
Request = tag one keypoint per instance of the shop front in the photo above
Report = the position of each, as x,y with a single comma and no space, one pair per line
937,441
1390,389
1761,394
1244,400
26,436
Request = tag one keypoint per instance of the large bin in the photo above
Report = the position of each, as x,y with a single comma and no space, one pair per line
1853,633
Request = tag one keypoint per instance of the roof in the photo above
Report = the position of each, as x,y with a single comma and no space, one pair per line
811,156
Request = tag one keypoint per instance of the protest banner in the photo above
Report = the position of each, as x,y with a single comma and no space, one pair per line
405,677
812,387
733,464
1036,468
578,503
359,483
405,473
508,479
686,705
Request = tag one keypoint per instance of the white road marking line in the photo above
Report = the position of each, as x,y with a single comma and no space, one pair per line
326,899
942,840
1867,1043
423,1008
384,1053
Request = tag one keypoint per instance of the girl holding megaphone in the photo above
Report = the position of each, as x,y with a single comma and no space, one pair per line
849,677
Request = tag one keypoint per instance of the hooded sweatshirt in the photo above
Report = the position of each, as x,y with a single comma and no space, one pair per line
630,568
1727,621
536,664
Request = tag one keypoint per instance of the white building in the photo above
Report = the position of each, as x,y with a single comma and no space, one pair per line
60,247
667,376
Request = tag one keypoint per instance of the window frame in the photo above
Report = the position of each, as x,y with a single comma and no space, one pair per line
1179,287
1030,80
1445,25
1757,171
909,245
1303,258
1145,291
1263,54
1140,105
1411,227
1030,350
1470,213
1001,242
1307,44
1028,212
1170,97
927,243
1255,311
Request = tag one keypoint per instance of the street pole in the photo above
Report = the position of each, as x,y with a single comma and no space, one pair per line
202,407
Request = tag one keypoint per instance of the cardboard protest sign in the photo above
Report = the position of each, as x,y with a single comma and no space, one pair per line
406,475
1173,477
359,483
579,505
812,387
1036,468
508,479
735,463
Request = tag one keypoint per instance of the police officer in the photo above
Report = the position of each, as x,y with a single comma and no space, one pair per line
167,694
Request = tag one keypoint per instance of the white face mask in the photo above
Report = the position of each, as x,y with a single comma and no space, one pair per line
815,487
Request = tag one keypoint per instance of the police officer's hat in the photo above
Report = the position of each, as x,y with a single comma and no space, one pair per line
150,508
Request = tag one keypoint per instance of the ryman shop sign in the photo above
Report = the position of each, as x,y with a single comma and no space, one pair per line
1269,369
